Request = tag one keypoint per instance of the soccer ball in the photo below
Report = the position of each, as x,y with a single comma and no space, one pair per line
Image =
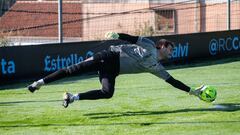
208,93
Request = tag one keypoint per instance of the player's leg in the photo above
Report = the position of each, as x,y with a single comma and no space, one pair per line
86,66
107,91
108,71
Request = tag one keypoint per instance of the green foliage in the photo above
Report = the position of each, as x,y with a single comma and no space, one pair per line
144,30
142,104
4,41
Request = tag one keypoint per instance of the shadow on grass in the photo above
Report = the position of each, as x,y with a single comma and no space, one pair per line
119,124
23,102
226,107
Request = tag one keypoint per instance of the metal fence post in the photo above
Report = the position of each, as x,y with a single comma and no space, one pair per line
60,31
229,15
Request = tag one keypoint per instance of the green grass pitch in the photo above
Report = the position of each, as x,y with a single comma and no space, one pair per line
142,104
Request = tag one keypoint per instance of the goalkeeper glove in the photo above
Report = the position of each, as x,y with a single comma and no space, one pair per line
111,35
197,91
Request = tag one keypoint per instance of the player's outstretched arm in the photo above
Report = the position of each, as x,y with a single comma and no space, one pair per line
141,41
178,84
129,38
122,36
205,93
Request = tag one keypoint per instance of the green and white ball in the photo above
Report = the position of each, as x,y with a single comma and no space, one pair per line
209,93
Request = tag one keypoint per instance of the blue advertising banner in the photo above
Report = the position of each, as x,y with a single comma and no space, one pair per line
35,61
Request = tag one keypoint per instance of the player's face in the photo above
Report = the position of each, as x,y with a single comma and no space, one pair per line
166,52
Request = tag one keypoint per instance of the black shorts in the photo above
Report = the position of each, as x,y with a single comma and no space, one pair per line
108,61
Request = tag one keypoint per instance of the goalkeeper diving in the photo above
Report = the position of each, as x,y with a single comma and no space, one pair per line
140,55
